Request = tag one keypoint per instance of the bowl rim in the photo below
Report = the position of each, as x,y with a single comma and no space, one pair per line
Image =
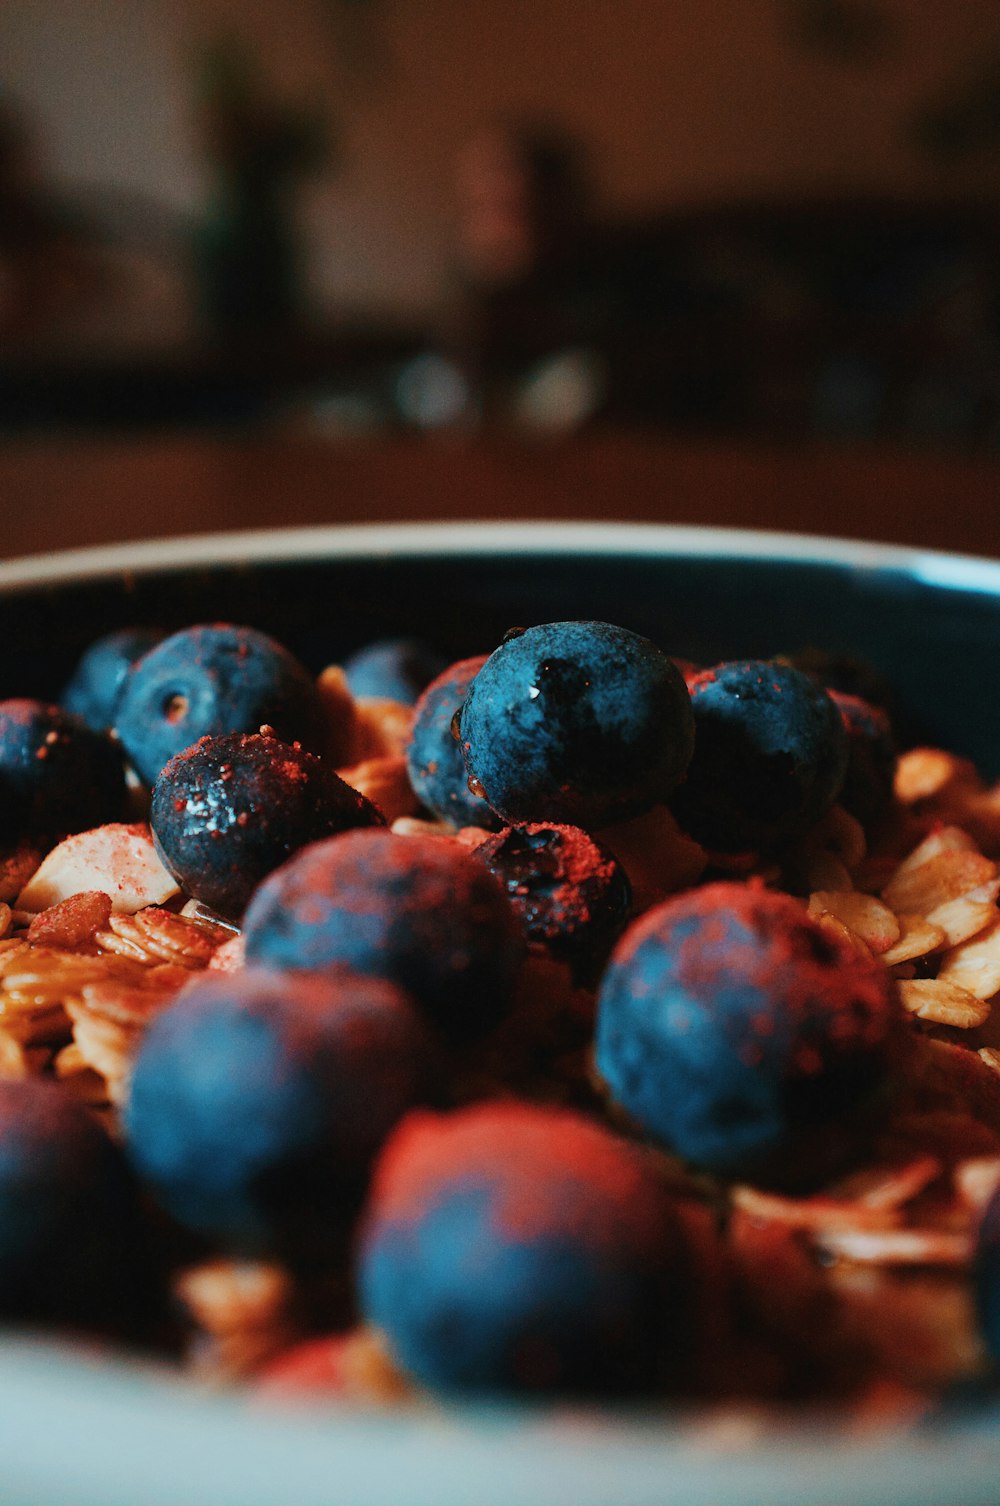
118,1421
346,541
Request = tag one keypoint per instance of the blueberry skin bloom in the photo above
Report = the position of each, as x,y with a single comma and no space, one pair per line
740,1035
72,1243
581,723
434,756
770,755
258,1100
208,680
417,910
56,775
96,684
514,1248
230,810
395,669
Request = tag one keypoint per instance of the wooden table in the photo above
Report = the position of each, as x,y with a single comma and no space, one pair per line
67,492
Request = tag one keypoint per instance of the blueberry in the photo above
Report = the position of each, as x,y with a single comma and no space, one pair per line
258,1100
769,759
513,1248
418,910
434,756
73,1244
56,775
867,791
395,669
230,810
209,680
740,1035
581,723
570,893
97,681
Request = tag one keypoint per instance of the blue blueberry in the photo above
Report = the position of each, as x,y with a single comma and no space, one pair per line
56,775
867,791
514,1248
73,1246
434,756
258,1100
228,811
417,910
770,754
570,893
395,669
208,680
97,681
581,723
737,1033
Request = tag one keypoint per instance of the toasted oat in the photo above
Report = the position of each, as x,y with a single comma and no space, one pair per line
18,1059
341,743
658,857
836,927
930,1247
813,1213
386,782
917,938
841,836
925,887
890,1186
16,869
243,1309
961,919
6,918
974,964
382,730
154,935
976,1180
943,1003
923,773
862,914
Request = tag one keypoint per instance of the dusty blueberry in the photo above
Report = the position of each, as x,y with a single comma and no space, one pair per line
570,893
740,1035
515,1248
228,811
56,775
96,684
257,1101
434,756
770,754
212,679
395,669
73,1245
418,910
581,723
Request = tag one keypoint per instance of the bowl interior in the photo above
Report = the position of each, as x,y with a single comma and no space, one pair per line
929,624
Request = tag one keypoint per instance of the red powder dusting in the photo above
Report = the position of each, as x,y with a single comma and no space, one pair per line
551,1172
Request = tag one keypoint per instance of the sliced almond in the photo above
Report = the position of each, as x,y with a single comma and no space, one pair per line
386,782
944,839
942,1003
812,1212
834,926
898,1246
917,937
118,859
861,913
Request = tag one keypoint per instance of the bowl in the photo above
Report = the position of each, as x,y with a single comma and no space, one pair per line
83,1428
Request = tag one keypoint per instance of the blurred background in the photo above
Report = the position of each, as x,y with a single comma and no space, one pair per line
300,260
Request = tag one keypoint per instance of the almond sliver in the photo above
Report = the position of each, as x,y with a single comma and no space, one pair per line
923,773
943,1003
861,913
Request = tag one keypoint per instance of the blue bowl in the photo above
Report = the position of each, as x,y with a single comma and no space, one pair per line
94,1430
